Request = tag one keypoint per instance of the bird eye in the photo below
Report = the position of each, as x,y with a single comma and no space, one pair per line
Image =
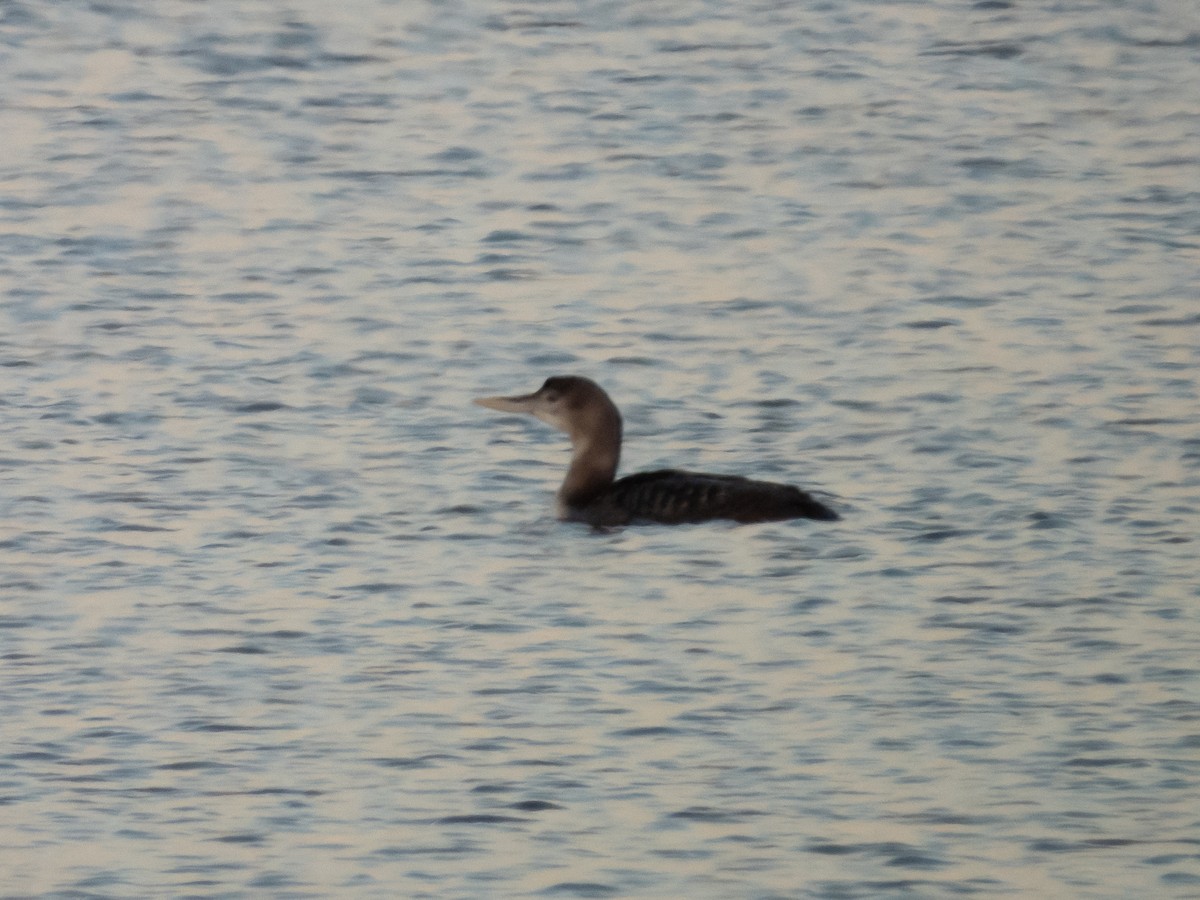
552,398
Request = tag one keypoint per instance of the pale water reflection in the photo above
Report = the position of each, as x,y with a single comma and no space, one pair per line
284,615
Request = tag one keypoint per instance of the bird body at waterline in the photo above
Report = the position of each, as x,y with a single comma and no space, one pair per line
591,492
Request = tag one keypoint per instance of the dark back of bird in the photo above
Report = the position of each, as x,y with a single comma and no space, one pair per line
673,497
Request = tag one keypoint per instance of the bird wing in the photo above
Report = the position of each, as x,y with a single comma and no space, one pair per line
673,496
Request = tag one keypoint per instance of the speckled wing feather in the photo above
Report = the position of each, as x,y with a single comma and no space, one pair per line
671,496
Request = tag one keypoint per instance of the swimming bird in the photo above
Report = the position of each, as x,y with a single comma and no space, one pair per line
581,408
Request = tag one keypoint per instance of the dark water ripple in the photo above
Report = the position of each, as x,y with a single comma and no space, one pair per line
283,614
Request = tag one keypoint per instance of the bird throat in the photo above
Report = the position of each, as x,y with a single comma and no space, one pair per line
593,467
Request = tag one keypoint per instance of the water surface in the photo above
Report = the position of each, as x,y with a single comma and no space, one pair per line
284,615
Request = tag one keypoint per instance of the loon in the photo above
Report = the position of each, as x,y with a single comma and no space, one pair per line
581,408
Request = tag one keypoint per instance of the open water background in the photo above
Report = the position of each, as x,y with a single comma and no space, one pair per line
282,614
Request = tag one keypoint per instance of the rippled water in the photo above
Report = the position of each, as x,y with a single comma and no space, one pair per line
284,615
